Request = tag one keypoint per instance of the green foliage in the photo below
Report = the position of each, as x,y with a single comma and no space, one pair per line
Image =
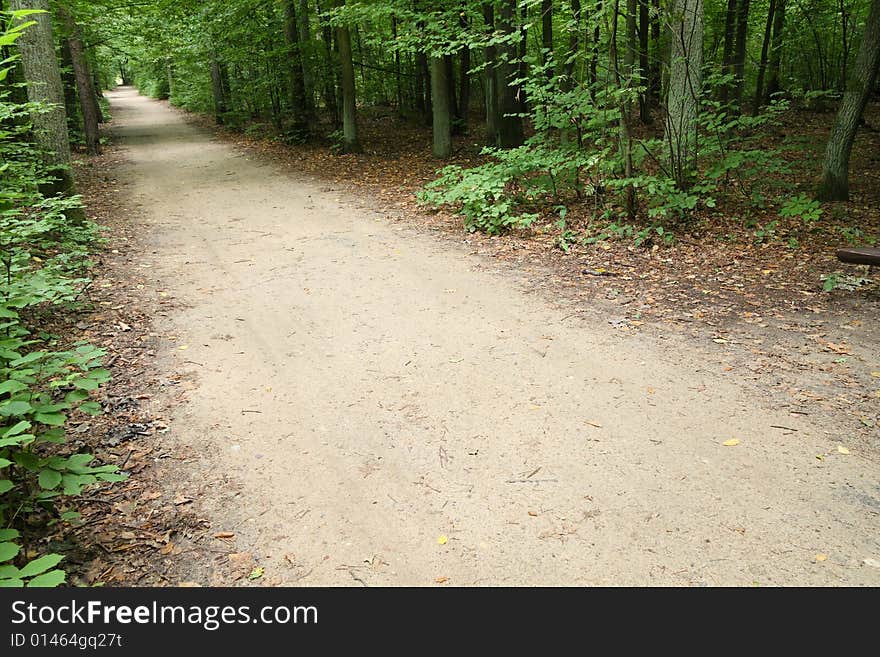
43,256
801,207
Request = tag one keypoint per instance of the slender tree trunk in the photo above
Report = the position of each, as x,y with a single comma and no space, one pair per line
298,103
441,108
510,127
629,201
464,82
68,80
219,92
594,60
568,80
328,88
762,64
547,34
685,79
644,69
307,58
835,174
775,51
521,95
655,83
84,82
397,71
739,64
727,55
40,67
350,141
491,74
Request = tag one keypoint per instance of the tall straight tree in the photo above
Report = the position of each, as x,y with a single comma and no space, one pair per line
510,125
298,104
84,81
491,77
43,76
835,170
762,62
739,60
441,107
685,79
350,141
776,43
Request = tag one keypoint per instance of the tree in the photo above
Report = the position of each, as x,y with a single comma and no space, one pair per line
85,82
835,169
685,79
350,141
298,104
43,76
442,107
510,125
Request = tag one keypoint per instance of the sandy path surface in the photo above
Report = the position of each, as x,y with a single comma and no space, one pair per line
372,406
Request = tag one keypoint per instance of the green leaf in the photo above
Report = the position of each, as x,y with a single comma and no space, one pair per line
8,571
49,479
5,487
14,583
15,429
40,565
14,408
91,408
5,463
20,440
76,396
48,580
12,386
8,551
8,534
52,419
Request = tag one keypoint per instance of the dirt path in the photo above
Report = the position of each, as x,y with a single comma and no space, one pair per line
371,406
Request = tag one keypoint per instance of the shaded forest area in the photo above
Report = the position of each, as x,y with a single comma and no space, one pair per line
703,157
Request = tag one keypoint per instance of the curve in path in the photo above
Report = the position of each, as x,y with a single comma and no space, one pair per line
373,407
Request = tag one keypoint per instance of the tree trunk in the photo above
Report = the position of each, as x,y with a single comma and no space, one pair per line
729,45
491,74
464,82
835,174
510,127
219,92
568,79
68,80
84,82
398,93
298,104
762,64
547,34
685,79
306,57
43,75
655,76
350,142
775,51
330,81
441,108
594,59
629,201
739,62
644,80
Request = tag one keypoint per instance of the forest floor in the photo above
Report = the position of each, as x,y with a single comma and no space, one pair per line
316,382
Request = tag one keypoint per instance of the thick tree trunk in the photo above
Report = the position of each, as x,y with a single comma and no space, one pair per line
510,127
298,104
762,63
350,141
835,174
491,74
441,108
775,51
43,75
84,82
685,79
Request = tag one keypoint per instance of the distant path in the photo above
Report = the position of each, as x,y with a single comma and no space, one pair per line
385,413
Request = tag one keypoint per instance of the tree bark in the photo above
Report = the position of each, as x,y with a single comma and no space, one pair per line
629,201
40,67
350,141
762,64
219,92
775,51
644,81
547,34
510,127
84,82
441,108
298,104
729,45
835,174
739,63
491,75
330,80
685,79
306,57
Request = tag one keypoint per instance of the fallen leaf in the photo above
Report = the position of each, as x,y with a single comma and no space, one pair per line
168,548
257,573
442,540
842,450
733,442
441,580
189,585
224,534
534,514
182,499
876,375
821,557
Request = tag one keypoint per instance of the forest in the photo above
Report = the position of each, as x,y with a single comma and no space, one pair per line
664,137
